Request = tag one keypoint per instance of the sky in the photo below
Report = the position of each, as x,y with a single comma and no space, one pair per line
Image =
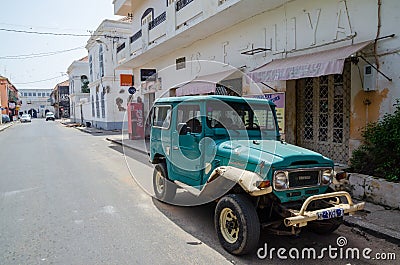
77,17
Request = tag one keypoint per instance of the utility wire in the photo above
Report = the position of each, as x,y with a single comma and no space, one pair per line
36,55
46,33
61,34
38,81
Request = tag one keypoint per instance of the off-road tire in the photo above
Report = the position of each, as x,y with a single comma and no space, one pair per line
164,189
237,224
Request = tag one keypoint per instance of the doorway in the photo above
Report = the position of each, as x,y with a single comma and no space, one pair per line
323,114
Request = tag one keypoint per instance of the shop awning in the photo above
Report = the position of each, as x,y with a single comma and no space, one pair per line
307,65
204,84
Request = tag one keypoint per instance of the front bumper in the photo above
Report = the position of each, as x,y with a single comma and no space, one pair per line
302,217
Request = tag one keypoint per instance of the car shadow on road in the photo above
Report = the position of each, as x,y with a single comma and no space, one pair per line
198,221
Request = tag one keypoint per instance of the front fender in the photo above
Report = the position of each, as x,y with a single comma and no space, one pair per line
246,179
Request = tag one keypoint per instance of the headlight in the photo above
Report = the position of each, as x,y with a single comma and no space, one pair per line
327,176
281,180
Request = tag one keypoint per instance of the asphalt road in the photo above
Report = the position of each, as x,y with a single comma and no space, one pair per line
68,197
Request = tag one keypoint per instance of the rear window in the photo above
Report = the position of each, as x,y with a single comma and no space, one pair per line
162,116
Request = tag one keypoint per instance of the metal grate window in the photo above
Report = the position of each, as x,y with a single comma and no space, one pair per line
323,109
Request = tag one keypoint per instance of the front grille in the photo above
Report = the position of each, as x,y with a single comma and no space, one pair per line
303,178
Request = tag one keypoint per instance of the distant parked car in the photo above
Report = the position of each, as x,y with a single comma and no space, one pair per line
50,116
25,118
5,118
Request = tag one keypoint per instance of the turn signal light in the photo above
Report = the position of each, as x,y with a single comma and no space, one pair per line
341,175
263,184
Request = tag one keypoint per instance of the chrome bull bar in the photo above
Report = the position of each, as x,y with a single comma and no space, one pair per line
303,216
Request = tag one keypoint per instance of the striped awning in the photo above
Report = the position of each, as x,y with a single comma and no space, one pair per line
307,65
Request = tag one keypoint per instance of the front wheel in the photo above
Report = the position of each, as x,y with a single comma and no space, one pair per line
164,189
237,224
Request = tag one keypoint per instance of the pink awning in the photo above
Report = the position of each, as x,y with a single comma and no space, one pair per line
307,65
203,84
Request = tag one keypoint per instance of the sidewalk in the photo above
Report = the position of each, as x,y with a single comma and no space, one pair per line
376,220
4,126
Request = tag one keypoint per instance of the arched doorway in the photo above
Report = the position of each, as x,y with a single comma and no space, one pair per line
33,113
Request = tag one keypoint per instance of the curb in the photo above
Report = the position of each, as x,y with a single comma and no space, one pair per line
6,127
119,142
374,230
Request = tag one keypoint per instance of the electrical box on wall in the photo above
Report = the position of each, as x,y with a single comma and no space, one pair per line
369,78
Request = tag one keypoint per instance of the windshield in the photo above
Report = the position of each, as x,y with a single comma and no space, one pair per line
240,116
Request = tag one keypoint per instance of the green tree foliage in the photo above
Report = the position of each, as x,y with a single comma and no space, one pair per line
379,155
85,86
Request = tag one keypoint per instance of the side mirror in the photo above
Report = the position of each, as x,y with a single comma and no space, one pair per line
183,129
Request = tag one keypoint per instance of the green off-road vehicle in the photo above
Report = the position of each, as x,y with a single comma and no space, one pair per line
228,149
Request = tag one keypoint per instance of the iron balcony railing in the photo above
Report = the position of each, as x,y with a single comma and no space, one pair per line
157,21
136,36
182,3
121,47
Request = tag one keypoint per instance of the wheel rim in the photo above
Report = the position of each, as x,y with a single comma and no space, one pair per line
160,182
229,226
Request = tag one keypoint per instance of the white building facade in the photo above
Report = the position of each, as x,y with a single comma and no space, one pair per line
319,56
35,102
80,108
108,98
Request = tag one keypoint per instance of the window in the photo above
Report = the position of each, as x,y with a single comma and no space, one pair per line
91,68
147,16
92,106
25,94
240,116
97,106
162,117
103,107
180,63
101,59
190,114
34,94
30,94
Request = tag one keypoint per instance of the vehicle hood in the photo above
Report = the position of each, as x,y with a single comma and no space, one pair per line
275,153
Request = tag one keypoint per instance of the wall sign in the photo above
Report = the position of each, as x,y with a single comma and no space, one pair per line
126,80
148,74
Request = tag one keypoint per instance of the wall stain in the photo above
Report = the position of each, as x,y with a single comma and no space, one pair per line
363,113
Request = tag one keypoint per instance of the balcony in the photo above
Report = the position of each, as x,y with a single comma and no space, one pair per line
157,28
122,53
187,21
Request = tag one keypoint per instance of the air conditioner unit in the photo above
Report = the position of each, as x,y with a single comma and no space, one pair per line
369,78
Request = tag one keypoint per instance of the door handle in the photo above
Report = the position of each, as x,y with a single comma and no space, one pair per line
175,147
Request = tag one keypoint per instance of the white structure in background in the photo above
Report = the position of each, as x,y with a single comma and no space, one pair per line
35,102
80,108
108,98
325,104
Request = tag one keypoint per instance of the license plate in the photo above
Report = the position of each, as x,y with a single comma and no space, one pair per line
329,214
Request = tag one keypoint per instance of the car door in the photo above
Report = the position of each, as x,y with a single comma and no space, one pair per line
186,160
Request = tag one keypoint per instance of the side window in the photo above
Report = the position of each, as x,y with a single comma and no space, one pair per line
264,119
162,117
190,114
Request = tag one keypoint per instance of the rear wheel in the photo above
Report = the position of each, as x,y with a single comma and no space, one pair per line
237,224
164,189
